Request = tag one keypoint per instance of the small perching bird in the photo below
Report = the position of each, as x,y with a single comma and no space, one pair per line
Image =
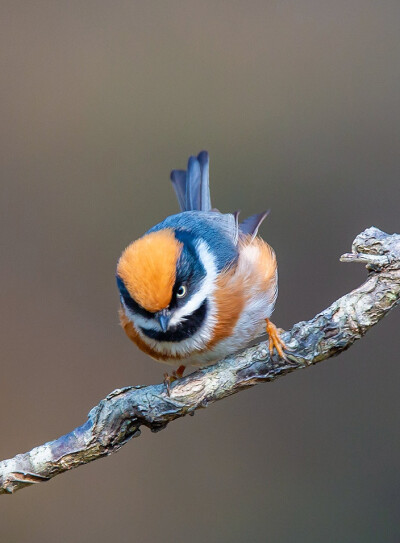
198,286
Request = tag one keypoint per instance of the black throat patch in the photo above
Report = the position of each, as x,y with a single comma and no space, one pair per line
183,330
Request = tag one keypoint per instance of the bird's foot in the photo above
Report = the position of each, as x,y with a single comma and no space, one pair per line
176,374
275,341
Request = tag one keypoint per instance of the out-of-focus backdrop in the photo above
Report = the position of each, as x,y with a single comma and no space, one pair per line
298,103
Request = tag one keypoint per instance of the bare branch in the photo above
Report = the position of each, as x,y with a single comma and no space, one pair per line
118,418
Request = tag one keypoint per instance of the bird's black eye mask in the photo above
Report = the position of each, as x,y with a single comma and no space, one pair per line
190,271
130,302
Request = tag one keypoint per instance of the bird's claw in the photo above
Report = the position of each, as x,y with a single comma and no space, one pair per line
169,379
275,341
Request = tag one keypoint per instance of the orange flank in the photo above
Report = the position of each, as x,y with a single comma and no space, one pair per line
266,262
230,301
233,287
148,269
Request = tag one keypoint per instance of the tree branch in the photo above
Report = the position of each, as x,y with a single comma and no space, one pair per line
118,418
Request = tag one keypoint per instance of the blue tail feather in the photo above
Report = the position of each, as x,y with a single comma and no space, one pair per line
178,178
192,186
204,162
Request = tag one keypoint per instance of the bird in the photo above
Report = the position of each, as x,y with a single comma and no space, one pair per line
200,285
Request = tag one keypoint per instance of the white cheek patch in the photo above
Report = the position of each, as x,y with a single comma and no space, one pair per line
140,321
206,288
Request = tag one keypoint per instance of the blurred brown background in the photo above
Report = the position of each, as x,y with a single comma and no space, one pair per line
298,103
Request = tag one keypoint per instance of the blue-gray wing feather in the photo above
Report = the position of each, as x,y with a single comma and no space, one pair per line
253,223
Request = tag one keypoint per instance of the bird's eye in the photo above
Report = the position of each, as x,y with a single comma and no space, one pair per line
181,292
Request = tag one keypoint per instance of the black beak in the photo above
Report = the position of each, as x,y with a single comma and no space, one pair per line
163,319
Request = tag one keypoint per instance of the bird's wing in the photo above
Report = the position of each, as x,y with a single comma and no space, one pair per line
226,223
252,224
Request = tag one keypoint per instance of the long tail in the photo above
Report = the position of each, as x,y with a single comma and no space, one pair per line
192,186
192,189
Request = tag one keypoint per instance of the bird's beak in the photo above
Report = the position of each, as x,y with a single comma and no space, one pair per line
164,318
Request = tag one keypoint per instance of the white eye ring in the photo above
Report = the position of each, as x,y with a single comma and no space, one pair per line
181,292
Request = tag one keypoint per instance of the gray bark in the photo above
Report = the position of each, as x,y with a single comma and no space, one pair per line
118,418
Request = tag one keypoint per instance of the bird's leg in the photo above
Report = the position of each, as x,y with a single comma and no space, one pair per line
176,374
274,340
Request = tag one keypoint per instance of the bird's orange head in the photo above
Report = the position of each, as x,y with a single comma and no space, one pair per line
147,268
